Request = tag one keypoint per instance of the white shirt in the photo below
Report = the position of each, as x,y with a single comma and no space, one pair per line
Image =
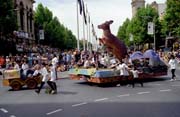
44,73
173,63
86,63
25,68
135,73
123,69
53,73
16,66
36,72
103,61
54,61
113,61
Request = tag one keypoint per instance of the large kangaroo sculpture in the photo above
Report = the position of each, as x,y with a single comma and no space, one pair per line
112,43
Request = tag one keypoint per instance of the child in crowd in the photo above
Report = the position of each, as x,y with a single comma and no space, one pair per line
136,78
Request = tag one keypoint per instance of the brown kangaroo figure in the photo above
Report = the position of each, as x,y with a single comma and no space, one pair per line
113,44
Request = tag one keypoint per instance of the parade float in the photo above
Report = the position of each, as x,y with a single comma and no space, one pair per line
13,79
119,50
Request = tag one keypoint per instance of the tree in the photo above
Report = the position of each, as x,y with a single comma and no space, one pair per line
56,34
8,21
122,32
138,26
172,18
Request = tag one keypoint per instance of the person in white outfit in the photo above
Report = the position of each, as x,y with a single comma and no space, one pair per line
173,64
25,68
123,71
16,66
44,73
136,78
54,61
52,81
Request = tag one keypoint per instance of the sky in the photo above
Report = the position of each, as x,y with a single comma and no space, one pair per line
99,10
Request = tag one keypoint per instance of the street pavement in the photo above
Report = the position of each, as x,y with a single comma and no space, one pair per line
158,98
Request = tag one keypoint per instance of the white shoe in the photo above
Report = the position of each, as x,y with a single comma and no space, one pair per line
171,80
118,85
128,85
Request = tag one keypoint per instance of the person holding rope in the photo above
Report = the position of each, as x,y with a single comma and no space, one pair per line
52,81
45,74
135,74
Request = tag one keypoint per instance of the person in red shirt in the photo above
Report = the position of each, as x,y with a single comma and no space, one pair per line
2,61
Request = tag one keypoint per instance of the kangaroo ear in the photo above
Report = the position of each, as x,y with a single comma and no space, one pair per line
111,21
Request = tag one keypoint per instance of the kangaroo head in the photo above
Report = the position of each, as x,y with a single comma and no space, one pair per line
105,25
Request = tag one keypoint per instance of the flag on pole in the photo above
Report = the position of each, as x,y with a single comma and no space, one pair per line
96,37
93,31
89,18
87,14
84,13
150,28
80,6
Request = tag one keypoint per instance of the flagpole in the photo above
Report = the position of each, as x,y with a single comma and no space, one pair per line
84,21
90,33
84,47
87,29
77,26
87,36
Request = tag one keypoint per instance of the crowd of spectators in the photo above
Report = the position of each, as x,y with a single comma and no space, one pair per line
33,53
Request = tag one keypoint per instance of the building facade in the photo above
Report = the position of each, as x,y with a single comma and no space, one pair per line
160,7
24,12
136,4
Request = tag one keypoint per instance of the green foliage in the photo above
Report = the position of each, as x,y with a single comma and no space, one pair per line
8,21
122,32
138,27
172,18
56,34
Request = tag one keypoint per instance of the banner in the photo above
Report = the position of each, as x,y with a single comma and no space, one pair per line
41,34
150,28
131,37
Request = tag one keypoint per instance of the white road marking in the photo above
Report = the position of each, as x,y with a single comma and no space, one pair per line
102,99
80,104
58,110
143,92
165,90
156,84
176,85
3,110
12,116
124,95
